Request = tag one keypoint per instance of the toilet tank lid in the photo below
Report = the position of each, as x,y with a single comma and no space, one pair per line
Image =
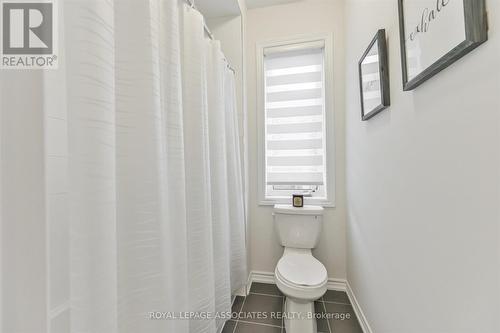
306,210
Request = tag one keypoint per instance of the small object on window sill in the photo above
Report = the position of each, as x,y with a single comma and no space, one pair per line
298,200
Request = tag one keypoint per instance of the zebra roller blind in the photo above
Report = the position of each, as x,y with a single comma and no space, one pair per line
295,115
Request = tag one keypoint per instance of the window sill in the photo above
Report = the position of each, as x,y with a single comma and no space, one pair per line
307,201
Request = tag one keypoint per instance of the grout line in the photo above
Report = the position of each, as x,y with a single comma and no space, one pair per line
242,304
282,313
327,320
334,302
261,324
237,319
265,294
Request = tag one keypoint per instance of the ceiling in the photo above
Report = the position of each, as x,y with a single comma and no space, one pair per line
221,8
265,3
218,8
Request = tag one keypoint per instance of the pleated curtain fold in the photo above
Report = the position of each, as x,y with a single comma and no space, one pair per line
138,208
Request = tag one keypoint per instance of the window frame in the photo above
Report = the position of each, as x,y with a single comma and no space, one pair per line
327,40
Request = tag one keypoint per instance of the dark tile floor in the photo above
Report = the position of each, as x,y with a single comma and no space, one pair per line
260,312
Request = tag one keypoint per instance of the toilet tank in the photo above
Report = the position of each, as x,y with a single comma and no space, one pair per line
298,227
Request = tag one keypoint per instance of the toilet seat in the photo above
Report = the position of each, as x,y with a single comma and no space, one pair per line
301,276
301,270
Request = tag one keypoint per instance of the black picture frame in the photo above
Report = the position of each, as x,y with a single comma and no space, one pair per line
476,32
383,70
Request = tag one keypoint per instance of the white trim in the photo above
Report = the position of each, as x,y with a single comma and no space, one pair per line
221,328
288,47
249,283
357,309
327,39
307,201
260,276
337,284
268,277
333,284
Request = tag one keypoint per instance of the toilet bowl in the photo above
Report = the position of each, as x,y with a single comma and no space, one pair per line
299,276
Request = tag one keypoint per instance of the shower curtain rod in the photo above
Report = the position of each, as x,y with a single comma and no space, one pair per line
209,33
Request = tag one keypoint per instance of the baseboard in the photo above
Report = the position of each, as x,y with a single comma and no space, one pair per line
261,277
337,284
268,277
357,309
333,284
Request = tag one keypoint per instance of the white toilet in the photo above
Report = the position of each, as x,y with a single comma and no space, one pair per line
300,277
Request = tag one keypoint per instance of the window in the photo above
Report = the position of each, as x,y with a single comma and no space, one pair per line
294,122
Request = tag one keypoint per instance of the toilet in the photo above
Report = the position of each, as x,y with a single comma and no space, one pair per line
300,277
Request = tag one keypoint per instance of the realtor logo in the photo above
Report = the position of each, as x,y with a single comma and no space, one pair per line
28,34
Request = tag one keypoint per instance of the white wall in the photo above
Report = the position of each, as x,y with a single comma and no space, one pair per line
285,21
423,181
228,30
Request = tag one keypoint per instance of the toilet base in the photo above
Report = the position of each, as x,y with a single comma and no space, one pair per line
299,316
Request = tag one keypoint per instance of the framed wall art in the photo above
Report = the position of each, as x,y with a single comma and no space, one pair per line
436,33
374,77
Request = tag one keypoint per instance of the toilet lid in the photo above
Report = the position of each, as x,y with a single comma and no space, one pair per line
302,269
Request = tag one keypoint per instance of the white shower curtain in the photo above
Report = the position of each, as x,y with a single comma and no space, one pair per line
138,135
235,185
